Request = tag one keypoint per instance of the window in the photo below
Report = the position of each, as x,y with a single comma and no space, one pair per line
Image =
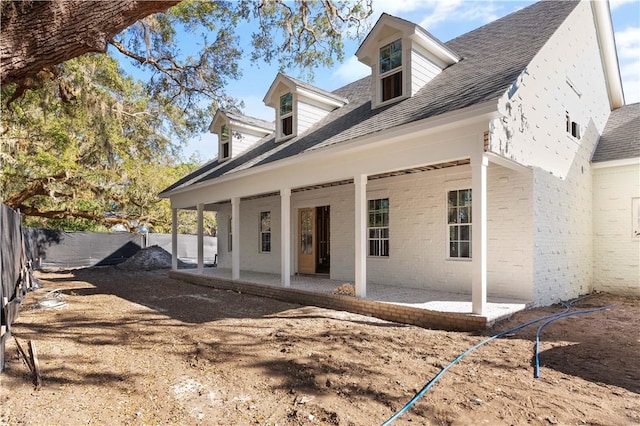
378,227
265,232
573,128
224,141
230,235
286,114
391,70
459,220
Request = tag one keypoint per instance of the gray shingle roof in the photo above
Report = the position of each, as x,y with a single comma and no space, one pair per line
620,139
492,57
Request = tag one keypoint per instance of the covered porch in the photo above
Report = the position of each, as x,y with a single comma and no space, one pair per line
422,307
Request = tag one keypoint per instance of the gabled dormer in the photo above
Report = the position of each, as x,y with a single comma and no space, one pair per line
403,58
237,132
298,105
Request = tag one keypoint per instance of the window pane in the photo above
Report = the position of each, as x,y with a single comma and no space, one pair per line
384,251
453,215
463,214
464,250
265,221
453,233
453,249
287,126
286,104
453,198
465,233
392,86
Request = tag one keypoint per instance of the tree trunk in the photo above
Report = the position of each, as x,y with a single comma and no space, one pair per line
36,34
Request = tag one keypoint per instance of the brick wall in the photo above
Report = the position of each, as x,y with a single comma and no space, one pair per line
616,249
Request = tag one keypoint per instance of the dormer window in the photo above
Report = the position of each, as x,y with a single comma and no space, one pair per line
225,142
286,115
391,70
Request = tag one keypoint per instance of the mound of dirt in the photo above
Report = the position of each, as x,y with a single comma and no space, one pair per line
147,259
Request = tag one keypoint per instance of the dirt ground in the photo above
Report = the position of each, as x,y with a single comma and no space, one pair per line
139,348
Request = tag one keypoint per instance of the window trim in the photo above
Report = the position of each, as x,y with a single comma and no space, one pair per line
281,117
221,155
380,238
263,233
400,69
459,225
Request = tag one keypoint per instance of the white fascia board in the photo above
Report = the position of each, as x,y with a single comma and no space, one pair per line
449,121
616,163
325,100
250,128
436,48
506,162
604,29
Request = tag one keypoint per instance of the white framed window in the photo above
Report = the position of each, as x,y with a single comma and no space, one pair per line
265,232
230,243
286,115
572,127
225,142
459,223
378,227
391,71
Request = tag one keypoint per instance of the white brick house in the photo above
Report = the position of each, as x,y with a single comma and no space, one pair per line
462,166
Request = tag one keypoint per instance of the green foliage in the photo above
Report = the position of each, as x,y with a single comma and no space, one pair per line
68,161
91,147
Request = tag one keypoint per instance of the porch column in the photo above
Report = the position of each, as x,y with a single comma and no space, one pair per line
235,239
361,235
200,238
479,233
174,239
285,237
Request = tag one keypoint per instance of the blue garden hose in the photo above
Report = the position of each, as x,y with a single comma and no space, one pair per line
557,317
549,318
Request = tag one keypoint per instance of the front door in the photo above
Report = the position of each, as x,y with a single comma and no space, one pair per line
306,242
314,241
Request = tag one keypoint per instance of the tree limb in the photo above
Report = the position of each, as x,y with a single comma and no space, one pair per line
37,35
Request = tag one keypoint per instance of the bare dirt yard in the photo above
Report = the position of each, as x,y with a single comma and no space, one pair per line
138,348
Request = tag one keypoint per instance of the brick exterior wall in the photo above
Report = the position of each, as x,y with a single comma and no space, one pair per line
566,77
418,232
616,248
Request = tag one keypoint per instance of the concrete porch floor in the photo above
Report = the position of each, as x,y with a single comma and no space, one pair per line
447,310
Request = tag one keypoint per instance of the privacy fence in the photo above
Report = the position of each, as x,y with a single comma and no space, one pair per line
15,274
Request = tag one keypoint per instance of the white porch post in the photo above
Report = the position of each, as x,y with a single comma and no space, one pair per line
235,239
174,239
200,238
361,234
285,237
479,165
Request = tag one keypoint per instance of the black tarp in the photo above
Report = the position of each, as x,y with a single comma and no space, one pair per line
74,249
15,278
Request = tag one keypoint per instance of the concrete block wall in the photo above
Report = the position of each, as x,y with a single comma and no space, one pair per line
616,248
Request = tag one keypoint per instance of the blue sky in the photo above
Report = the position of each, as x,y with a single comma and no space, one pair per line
445,19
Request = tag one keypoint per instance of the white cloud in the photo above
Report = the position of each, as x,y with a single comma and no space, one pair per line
396,7
628,45
614,4
441,11
350,71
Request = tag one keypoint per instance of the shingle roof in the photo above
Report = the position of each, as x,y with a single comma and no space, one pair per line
620,139
492,57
